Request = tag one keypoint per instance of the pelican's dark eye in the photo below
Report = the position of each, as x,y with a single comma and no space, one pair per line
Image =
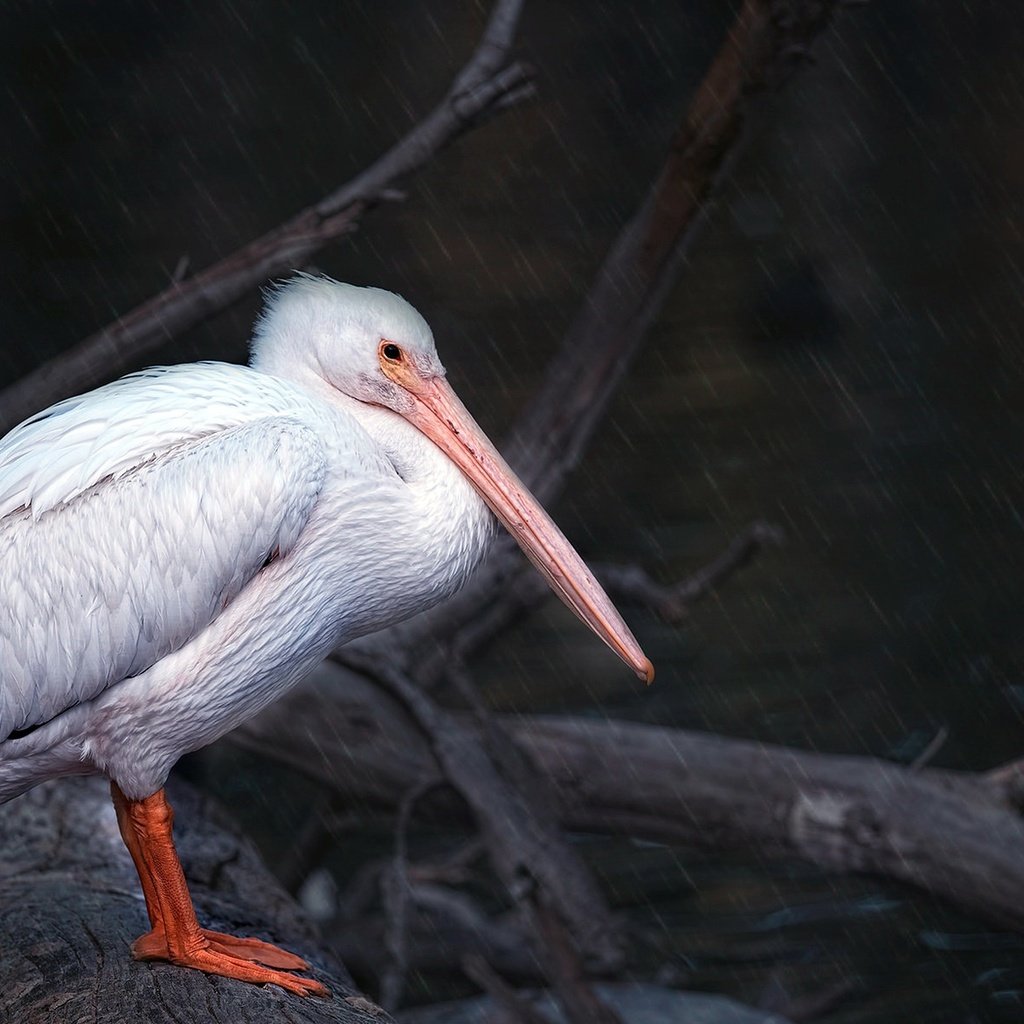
391,351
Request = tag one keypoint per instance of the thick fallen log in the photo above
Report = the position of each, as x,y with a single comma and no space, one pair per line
956,835
70,906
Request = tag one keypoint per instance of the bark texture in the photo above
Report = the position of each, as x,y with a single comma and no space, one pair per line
956,835
70,906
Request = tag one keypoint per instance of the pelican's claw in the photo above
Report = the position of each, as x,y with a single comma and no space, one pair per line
212,960
153,946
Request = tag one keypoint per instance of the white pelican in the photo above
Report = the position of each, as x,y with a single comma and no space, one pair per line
181,546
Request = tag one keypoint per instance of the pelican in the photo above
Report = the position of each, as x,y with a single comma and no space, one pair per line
181,546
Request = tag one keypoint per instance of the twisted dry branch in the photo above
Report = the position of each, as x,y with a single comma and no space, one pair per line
485,86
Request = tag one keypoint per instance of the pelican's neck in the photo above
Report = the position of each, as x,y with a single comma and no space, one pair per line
443,525
448,524
417,460
400,442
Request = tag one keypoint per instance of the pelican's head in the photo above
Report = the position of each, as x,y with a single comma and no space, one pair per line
374,347
368,343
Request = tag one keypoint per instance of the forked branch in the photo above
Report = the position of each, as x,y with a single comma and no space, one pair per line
483,88
764,45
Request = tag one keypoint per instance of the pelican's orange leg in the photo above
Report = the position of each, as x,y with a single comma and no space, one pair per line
146,826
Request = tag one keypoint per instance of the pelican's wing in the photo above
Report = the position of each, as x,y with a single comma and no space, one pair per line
62,451
130,517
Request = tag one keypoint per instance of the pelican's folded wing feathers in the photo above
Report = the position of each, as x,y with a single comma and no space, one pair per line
121,538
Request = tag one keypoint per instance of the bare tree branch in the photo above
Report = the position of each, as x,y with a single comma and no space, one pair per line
763,47
396,890
504,995
672,602
561,963
480,90
564,970
1008,782
645,260
949,833
525,850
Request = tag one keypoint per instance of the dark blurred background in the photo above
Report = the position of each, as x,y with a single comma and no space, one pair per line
842,357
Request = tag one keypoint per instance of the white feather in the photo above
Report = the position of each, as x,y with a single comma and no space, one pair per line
116,562
178,547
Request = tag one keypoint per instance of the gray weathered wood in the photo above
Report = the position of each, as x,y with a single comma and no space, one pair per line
954,834
70,906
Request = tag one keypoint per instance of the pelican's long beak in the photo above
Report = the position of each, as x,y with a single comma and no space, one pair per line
440,415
